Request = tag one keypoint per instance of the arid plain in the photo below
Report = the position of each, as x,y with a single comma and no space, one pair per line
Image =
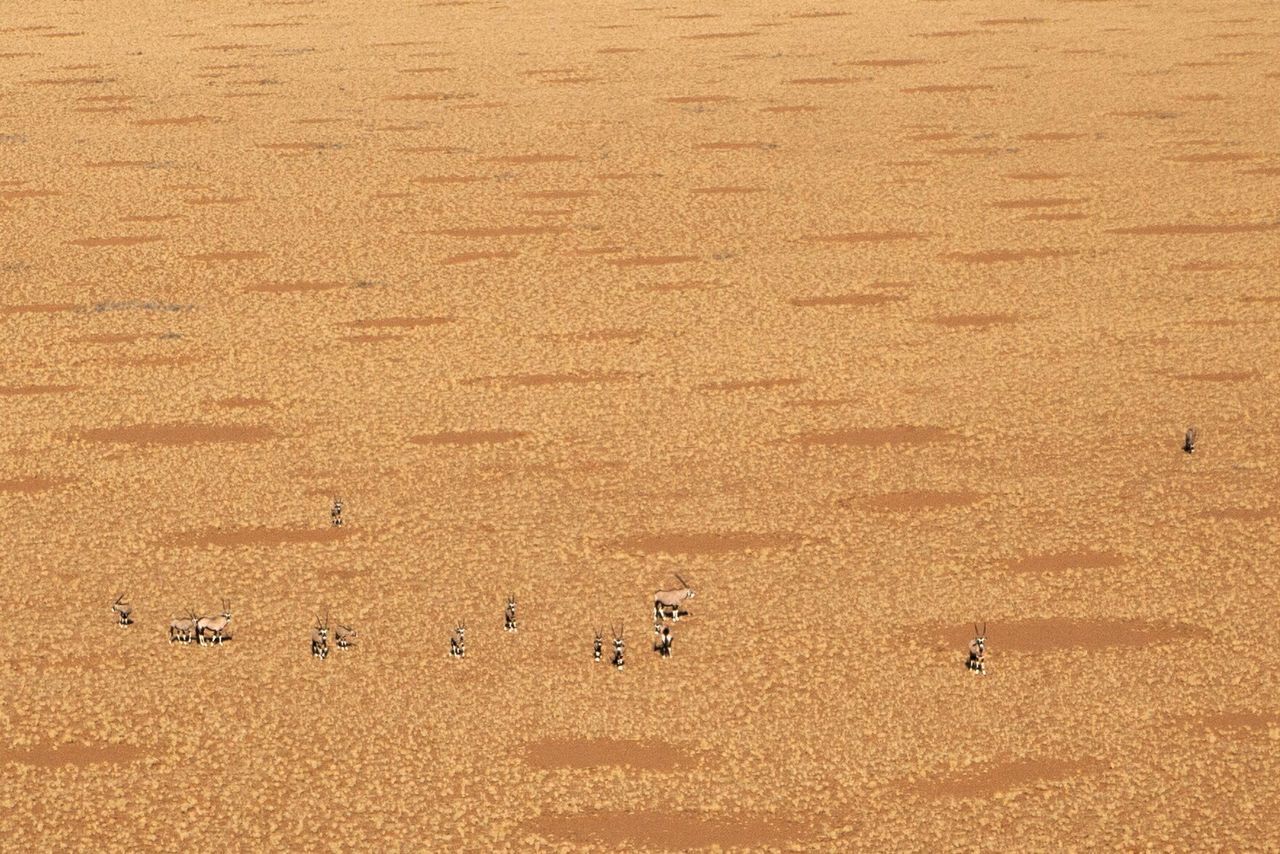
870,319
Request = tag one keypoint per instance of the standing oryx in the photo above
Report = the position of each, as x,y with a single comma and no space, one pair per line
509,616
345,636
320,638
458,642
598,647
210,630
664,600
661,637
618,646
978,651
335,514
1189,443
183,630
123,609
664,642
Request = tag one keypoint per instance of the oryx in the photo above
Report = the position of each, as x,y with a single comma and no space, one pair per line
978,651
335,515
1189,443
672,600
345,636
320,638
213,629
618,647
664,642
123,609
183,630
599,645
509,616
458,642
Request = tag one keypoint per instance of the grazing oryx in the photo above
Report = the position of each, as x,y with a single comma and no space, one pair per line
598,646
458,643
124,609
664,600
214,629
320,639
1189,443
978,651
335,515
183,630
345,637
509,616
618,661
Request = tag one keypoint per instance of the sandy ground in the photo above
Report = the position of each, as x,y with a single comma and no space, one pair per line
870,319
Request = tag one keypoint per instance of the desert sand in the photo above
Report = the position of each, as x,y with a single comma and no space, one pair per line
870,319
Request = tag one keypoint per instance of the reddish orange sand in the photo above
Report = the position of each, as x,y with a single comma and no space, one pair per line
870,319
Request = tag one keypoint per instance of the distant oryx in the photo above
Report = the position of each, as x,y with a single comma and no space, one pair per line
123,609
335,515
661,638
458,642
344,637
978,651
509,616
618,646
183,630
598,647
664,600
1189,443
210,630
320,638
664,642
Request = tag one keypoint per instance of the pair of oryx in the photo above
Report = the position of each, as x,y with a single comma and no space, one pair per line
663,601
458,640
619,648
343,638
204,630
